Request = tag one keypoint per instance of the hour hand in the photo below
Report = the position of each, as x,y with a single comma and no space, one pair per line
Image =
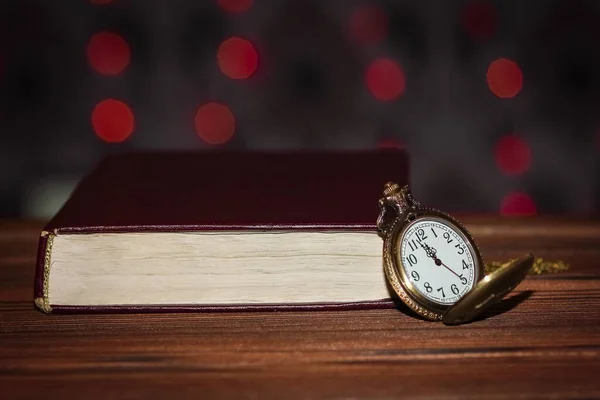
430,251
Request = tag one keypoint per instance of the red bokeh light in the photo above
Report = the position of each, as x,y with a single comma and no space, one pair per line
108,53
385,79
518,204
513,156
479,19
215,123
235,6
369,24
113,120
391,144
237,58
504,78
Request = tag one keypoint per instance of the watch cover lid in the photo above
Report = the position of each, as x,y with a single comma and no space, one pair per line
488,291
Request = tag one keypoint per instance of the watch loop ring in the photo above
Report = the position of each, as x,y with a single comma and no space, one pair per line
396,201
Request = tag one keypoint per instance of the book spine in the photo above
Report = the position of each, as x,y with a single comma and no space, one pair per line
42,271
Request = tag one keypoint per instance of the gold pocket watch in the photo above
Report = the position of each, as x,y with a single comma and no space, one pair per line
433,263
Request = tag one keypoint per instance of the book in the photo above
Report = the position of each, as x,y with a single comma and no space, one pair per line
218,231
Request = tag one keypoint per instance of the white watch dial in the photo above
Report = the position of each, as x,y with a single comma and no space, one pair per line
437,260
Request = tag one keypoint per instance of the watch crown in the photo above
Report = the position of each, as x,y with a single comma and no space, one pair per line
396,201
391,188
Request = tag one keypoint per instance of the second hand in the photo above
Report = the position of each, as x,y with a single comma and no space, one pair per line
448,268
432,253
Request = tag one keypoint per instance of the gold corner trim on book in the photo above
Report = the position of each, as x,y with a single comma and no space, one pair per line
43,303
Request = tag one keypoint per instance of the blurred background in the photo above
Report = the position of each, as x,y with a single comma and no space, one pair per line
496,101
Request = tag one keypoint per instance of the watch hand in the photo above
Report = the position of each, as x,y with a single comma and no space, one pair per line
449,269
428,250
431,252
425,248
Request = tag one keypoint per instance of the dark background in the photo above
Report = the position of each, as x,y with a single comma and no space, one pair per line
496,101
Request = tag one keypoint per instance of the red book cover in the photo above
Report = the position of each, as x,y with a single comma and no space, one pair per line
200,191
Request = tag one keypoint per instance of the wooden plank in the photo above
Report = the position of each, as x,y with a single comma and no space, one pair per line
542,342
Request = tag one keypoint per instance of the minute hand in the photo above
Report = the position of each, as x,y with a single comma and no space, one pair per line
431,252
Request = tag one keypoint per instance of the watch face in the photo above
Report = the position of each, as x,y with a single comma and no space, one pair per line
437,259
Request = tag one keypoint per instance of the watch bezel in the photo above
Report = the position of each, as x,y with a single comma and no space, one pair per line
395,272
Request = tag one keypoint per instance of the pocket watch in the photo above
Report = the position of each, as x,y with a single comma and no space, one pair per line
433,264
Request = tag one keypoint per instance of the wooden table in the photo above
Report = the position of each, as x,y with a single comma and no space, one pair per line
542,343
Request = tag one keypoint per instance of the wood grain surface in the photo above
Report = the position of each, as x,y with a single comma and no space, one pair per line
542,342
